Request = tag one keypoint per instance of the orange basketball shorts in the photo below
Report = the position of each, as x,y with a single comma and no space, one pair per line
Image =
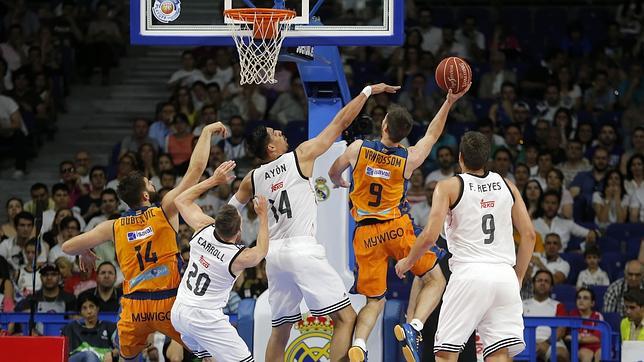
374,244
139,318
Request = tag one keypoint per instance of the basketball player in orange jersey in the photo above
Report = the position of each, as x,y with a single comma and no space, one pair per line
146,248
384,229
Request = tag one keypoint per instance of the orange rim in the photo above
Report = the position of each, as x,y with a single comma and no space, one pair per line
251,15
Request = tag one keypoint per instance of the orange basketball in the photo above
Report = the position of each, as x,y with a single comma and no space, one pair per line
453,73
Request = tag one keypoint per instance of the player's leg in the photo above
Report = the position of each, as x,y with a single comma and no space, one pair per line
371,281
501,328
284,297
501,355
344,321
413,298
364,325
133,328
277,341
429,288
181,317
444,356
325,294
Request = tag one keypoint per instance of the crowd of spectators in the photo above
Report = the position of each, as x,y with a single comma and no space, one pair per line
563,110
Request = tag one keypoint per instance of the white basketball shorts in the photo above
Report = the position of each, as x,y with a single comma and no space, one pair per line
485,297
297,268
209,333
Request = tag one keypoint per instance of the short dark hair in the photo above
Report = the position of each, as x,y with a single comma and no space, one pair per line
448,148
544,271
502,150
475,149
592,250
25,215
131,188
551,193
63,163
105,263
64,223
110,192
259,140
97,168
584,289
227,222
634,296
399,122
59,187
38,186
87,297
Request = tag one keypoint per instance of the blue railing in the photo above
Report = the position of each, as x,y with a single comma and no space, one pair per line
610,341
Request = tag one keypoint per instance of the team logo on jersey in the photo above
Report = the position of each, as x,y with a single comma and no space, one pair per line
487,204
322,191
277,186
312,345
140,234
377,173
203,262
166,10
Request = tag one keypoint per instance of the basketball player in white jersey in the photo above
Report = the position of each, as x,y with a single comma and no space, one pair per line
296,263
216,258
478,209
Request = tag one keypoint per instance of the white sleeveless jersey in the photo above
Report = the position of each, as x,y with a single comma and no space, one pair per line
293,207
208,278
479,226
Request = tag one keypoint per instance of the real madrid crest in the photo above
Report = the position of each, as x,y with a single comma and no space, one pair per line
166,10
314,341
322,191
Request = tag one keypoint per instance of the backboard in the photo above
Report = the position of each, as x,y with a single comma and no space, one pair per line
318,22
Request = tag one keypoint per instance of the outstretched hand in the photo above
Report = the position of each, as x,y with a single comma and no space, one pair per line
452,97
384,88
87,260
222,174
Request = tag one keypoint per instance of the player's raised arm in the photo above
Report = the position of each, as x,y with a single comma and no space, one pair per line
444,192
346,159
82,243
308,151
419,152
244,193
252,256
522,222
185,202
198,163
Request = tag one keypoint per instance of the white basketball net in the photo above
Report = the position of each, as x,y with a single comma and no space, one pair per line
258,50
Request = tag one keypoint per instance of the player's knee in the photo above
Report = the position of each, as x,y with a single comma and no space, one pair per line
345,316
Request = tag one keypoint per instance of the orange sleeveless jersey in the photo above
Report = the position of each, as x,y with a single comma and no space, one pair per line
147,251
379,186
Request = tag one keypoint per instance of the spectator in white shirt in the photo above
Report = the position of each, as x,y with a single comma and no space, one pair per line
187,74
420,210
549,222
445,158
541,305
554,180
550,259
432,35
593,274
12,248
473,39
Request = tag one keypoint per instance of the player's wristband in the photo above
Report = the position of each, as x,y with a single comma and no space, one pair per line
236,203
366,91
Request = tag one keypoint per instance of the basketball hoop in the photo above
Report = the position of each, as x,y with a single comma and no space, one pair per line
258,35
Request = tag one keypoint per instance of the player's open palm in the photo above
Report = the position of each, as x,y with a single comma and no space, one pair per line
223,174
384,88
87,260
218,128
453,97
261,206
